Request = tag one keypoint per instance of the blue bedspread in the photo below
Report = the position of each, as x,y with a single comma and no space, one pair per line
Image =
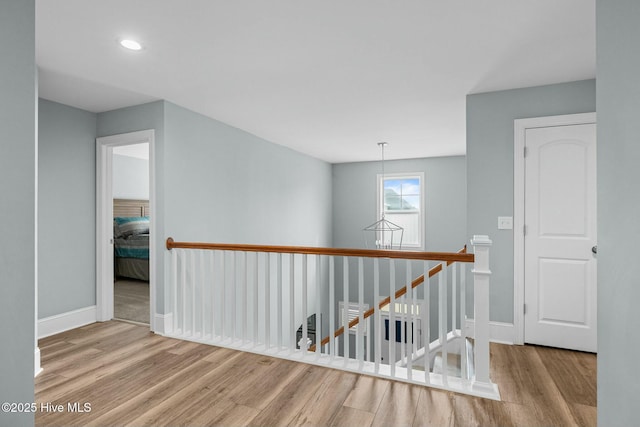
136,246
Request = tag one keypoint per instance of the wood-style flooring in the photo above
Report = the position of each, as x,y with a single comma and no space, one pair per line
131,300
130,377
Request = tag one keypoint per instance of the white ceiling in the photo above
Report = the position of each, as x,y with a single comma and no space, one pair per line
328,78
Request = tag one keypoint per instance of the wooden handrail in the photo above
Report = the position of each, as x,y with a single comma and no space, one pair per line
449,257
400,292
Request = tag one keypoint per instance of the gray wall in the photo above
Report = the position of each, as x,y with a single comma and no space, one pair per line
618,88
223,184
18,207
490,119
130,177
66,208
354,200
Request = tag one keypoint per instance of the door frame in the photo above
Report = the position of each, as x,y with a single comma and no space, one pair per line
520,127
104,221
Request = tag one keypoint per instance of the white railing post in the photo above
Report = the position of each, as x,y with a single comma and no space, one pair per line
481,275
463,321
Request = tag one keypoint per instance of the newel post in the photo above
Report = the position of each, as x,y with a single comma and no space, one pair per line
481,276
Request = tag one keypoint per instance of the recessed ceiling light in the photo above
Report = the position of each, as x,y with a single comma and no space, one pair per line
130,44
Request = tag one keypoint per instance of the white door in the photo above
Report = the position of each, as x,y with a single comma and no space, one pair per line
560,238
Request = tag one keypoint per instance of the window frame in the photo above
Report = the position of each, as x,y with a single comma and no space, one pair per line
421,210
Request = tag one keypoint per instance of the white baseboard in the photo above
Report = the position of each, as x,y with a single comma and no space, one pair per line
65,321
163,323
499,332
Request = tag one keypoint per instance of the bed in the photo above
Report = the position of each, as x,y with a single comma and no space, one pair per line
131,238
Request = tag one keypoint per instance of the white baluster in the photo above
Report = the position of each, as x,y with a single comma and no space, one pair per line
184,292
318,307
244,300
279,313
426,324
416,333
444,326
345,314
174,275
454,300
232,293
193,292
202,293
408,342
369,340
212,284
267,301
376,314
332,308
223,293
255,298
303,343
292,292
403,329
392,317
359,328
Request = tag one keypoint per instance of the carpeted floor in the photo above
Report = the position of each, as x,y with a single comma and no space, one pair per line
131,300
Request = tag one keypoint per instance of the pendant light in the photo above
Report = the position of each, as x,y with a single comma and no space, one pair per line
383,234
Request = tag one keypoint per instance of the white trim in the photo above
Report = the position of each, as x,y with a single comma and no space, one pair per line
36,361
104,229
164,323
499,332
36,349
66,321
104,258
520,127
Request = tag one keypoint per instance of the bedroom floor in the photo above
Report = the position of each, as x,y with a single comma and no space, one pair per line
131,300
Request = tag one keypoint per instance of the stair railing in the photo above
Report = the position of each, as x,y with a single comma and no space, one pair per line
385,302
258,298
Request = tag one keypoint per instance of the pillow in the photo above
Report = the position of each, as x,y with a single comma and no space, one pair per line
130,226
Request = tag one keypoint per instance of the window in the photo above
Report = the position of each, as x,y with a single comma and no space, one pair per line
400,199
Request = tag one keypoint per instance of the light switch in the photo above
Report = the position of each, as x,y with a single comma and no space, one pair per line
505,223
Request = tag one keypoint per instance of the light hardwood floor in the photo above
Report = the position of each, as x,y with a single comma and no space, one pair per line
131,300
132,377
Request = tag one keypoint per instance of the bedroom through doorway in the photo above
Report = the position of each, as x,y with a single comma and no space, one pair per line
125,233
131,215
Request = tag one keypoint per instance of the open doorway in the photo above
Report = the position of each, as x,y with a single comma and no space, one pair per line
131,216
125,228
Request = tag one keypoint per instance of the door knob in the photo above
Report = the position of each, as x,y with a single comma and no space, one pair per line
594,249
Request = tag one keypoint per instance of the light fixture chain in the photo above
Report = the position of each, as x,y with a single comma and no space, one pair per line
382,145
